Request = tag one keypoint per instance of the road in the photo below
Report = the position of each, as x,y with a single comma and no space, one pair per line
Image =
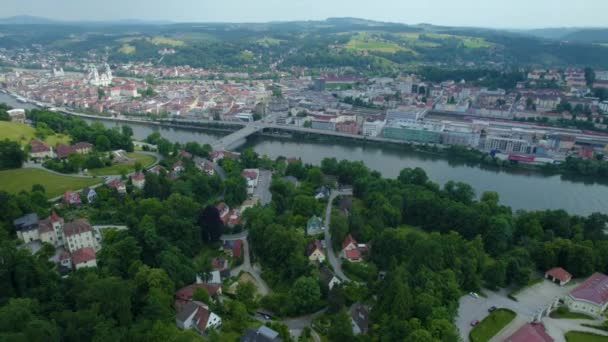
262,191
255,271
334,261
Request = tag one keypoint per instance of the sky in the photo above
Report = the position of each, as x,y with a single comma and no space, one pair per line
480,13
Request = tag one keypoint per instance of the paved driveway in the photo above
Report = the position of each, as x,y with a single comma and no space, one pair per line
262,191
530,302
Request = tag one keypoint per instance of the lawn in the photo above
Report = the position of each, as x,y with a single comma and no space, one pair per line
563,312
579,336
491,325
17,180
127,49
144,159
23,134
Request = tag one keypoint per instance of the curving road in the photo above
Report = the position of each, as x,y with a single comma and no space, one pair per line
334,261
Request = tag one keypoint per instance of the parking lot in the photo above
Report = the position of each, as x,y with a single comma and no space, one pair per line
529,302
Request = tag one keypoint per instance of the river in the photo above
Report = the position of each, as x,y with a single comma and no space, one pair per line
528,190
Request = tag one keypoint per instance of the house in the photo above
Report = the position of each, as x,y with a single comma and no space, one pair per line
204,166
78,234
558,275
359,316
40,150
233,248
184,295
198,316
314,223
322,192
314,251
118,185
84,257
590,297
157,169
219,264
350,249
178,167
17,115
90,194
261,334
251,176
63,150
82,147
328,278
139,180
71,198
27,228
530,332
50,230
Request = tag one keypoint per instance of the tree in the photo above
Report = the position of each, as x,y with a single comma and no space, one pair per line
211,224
236,190
245,293
201,295
341,328
127,130
102,143
11,155
304,294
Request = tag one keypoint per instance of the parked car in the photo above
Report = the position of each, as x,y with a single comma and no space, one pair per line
473,294
474,323
492,309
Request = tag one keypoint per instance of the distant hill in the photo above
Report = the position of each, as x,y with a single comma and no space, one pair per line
572,34
26,20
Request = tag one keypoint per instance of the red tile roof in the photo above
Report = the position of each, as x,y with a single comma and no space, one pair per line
138,176
313,246
76,227
64,150
185,293
559,273
236,251
83,255
202,316
594,289
348,240
38,146
530,333
353,254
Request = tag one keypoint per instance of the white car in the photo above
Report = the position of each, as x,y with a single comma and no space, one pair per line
473,294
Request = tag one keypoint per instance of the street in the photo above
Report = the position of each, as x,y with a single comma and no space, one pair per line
334,261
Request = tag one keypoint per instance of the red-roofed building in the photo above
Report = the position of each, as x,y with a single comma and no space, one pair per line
63,150
558,275
531,332
40,150
349,242
71,198
197,315
118,185
84,257
184,295
78,234
139,180
591,296
350,249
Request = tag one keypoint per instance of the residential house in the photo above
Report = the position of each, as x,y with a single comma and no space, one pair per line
328,278
71,198
314,224
261,334
50,230
178,167
233,248
156,169
350,249
252,176
40,150
185,294
198,316
322,192
78,234
139,180
90,194
17,115
84,257
359,316
590,297
530,332
219,264
314,251
82,147
27,228
204,166
558,275
118,185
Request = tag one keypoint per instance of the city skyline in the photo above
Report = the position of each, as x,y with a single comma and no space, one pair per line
491,14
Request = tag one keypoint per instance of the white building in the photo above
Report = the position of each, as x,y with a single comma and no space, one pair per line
78,234
590,297
102,79
84,257
198,316
372,128
252,176
17,115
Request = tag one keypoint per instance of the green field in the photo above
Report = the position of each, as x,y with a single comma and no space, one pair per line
491,325
579,336
367,42
23,134
17,180
144,159
127,49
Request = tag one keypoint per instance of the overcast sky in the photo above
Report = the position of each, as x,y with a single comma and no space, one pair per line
485,13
